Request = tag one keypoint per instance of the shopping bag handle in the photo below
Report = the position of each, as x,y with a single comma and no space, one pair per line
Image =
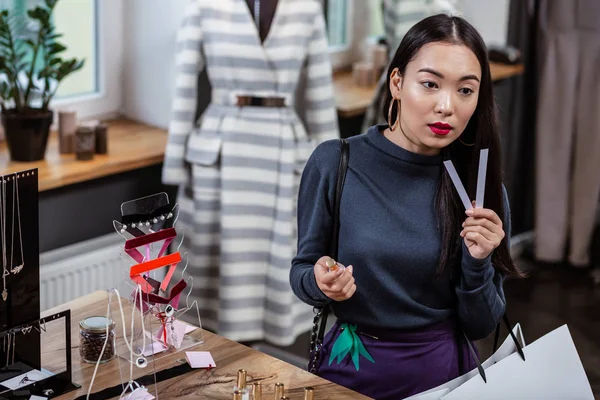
496,337
512,335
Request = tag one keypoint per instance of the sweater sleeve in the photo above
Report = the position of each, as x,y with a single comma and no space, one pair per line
189,62
314,224
481,301
321,115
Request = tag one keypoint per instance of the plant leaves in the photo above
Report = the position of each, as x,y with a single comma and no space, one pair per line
56,48
51,3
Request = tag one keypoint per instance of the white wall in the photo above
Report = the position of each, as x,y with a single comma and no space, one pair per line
150,30
490,17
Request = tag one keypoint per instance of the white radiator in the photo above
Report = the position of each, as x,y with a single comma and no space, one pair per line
82,268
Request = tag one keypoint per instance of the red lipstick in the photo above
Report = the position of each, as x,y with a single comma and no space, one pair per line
440,128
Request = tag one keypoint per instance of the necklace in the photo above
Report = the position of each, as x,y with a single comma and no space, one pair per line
19,267
5,272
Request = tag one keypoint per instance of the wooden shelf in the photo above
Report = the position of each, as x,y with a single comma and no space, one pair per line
352,100
131,145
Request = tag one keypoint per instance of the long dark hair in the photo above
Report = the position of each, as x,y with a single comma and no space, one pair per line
481,131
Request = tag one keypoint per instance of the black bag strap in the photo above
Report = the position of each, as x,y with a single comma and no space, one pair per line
335,233
321,314
496,337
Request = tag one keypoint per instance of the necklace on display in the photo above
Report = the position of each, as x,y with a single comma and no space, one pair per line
19,267
140,361
5,272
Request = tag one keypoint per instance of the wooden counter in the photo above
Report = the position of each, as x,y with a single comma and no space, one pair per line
352,100
216,383
131,145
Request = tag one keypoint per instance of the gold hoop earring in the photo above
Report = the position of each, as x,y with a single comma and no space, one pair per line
395,124
466,144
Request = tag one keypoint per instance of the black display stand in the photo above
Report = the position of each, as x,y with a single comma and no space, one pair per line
20,310
52,386
23,289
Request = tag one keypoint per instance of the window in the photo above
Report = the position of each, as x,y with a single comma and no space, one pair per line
76,20
351,26
92,30
376,24
337,23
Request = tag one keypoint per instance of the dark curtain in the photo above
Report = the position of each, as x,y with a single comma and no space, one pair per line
517,106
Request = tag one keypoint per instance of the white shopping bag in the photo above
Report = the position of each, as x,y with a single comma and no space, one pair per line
551,370
506,349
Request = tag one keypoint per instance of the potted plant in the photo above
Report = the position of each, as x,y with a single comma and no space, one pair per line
31,69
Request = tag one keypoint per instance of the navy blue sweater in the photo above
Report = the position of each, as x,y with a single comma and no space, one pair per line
388,232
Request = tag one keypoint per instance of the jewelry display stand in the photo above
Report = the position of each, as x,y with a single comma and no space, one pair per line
20,273
148,226
52,376
21,335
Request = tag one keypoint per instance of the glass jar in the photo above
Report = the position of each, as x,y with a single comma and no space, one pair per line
92,334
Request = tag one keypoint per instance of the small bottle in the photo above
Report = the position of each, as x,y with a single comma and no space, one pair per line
309,393
257,391
237,395
241,385
279,391
332,265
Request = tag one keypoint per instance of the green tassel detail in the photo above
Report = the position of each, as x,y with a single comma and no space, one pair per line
348,342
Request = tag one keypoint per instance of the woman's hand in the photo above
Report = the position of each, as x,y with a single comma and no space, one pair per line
482,232
338,285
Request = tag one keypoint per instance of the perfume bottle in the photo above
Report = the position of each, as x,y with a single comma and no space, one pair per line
279,391
241,385
257,391
332,265
309,393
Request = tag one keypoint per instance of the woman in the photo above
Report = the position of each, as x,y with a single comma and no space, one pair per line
419,268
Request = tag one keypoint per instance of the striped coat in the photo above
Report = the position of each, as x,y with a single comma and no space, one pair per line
239,167
398,17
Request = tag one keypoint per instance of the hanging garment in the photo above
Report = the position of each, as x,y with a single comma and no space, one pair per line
568,130
240,167
398,17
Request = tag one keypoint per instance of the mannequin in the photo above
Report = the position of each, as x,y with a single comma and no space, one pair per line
238,168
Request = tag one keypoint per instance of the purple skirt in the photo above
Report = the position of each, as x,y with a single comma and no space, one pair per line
406,362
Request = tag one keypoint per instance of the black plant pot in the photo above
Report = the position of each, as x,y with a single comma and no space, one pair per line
27,133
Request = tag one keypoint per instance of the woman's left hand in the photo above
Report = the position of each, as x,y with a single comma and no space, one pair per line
482,232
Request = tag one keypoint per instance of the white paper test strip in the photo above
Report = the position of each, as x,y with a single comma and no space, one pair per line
481,176
458,184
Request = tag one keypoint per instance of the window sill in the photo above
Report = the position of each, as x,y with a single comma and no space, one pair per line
131,145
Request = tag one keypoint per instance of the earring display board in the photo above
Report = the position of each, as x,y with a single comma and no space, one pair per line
19,254
21,380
